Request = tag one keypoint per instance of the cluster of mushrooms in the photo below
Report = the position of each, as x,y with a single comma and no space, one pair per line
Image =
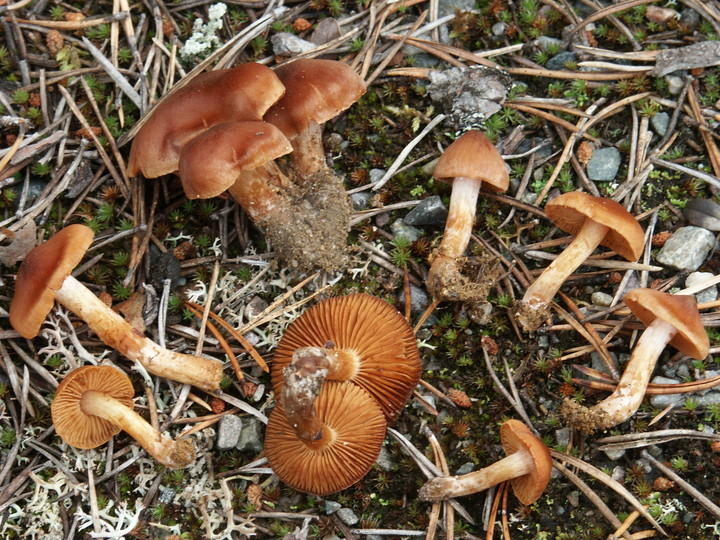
344,370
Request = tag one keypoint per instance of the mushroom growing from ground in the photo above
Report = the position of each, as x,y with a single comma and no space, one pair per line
322,436
593,221
528,465
364,340
93,403
242,93
470,163
315,91
44,278
670,319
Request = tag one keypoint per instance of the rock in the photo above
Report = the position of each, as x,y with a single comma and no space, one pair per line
419,299
255,307
228,433
288,44
687,248
614,455
331,507
546,43
375,175
660,123
675,84
498,29
562,436
574,498
166,495
449,7
604,164
598,364
360,200
561,59
385,460
709,294
465,468
400,229
602,299
704,213
430,211
251,439
325,31
347,516
663,400
689,18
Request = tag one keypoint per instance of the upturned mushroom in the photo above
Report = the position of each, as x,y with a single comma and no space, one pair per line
363,340
94,403
527,466
44,277
322,436
669,319
593,221
316,91
241,93
471,163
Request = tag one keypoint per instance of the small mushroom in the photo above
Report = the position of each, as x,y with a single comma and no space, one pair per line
241,93
94,403
670,319
470,163
316,91
44,278
528,465
364,340
322,436
593,221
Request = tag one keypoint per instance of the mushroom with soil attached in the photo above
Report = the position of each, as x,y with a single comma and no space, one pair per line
669,319
315,91
364,340
241,93
93,403
322,436
44,277
470,163
593,221
527,465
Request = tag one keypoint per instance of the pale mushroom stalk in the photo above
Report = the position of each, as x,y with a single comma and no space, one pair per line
447,487
461,216
540,293
257,191
304,378
308,154
116,332
630,390
173,454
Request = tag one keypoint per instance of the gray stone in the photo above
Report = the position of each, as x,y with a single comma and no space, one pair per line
675,84
687,248
449,7
376,174
498,29
604,164
574,498
465,468
419,299
228,433
598,364
385,460
347,516
689,18
251,439
618,473
331,507
400,229
360,200
287,44
601,299
560,59
660,123
166,495
704,213
255,307
546,42
709,294
325,31
663,400
430,211
614,455
562,436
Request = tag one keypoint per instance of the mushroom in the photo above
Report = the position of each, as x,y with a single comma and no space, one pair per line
593,221
668,318
242,93
364,340
316,91
322,436
44,277
528,465
93,403
471,162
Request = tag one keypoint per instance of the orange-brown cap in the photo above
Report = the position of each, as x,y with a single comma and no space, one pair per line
625,235
241,93
210,163
74,426
679,310
42,273
516,436
316,91
353,432
472,155
375,334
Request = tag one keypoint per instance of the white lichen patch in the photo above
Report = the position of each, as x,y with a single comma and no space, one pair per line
204,38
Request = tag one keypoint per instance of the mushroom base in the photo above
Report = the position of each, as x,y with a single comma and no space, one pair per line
531,316
448,279
309,228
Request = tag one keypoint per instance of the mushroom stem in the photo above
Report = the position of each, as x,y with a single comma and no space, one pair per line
173,454
461,216
256,190
116,332
517,464
304,378
308,154
540,293
630,390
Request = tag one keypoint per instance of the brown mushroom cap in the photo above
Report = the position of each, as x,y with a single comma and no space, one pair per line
472,155
679,310
74,426
212,161
242,93
352,437
388,358
316,91
42,273
625,235
516,436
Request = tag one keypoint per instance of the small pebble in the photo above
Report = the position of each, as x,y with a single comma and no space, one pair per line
430,211
360,200
709,294
660,123
331,507
601,299
687,248
347,516
251,436
419,299
288,44
400,229
228,433
604,164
